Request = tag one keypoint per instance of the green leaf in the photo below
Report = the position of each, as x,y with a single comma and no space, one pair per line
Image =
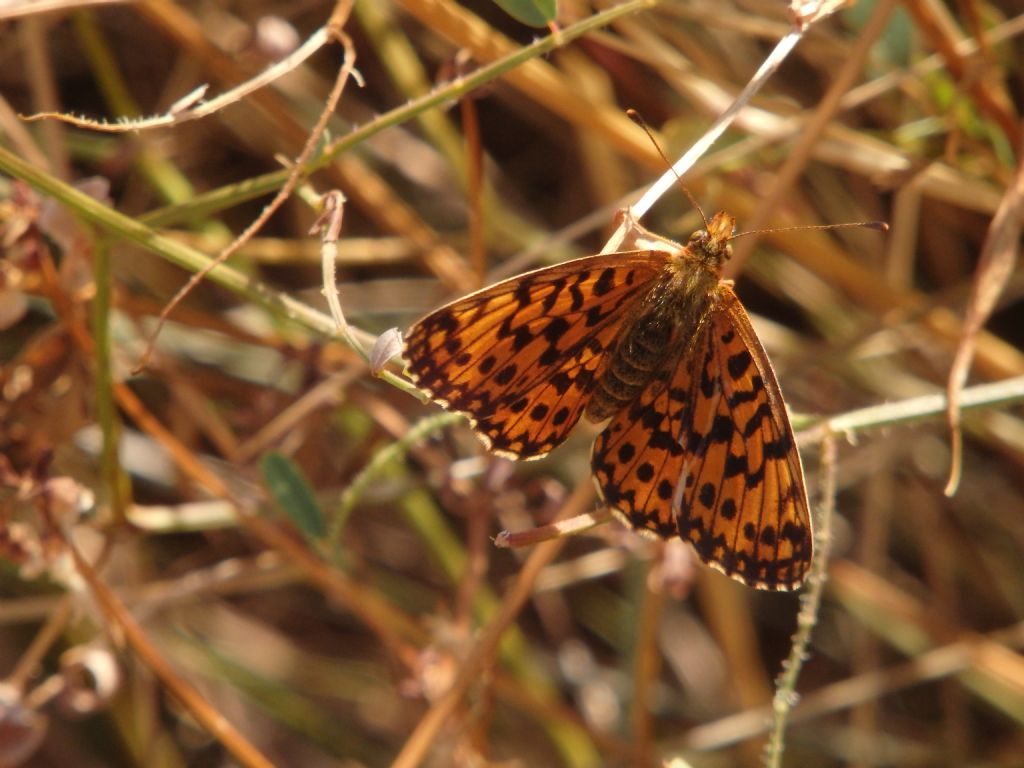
535,13
291,492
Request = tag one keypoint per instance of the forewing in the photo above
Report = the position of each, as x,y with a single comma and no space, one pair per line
712,457
519,358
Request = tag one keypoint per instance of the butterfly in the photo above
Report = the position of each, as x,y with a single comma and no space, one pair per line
698,445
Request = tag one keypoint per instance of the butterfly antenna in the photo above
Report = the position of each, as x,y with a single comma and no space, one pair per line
637,118
880,226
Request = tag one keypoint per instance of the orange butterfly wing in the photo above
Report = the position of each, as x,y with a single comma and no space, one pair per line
519,358
707,452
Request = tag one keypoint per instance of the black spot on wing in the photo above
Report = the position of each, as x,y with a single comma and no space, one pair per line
605,283
506,374
738,364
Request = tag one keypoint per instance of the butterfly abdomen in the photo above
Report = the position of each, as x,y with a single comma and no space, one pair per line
663,326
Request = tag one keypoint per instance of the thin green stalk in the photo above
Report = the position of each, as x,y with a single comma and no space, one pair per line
115,482
997,393
376,466
810,601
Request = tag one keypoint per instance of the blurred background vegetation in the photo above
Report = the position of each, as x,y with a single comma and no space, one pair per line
281,540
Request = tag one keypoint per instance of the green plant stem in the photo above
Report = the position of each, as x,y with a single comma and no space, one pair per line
917,409
115,481
810,601
380,461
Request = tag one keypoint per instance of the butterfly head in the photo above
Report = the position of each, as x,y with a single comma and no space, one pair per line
711,244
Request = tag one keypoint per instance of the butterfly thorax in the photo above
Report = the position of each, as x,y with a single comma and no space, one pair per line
666,322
